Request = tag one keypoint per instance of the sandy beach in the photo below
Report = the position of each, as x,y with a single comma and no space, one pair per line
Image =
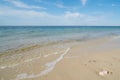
59,40
96,59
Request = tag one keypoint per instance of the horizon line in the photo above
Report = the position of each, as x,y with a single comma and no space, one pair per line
57,25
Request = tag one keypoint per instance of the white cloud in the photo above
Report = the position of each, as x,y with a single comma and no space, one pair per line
73,15
61,6
23,5
65,7
10,16
84,2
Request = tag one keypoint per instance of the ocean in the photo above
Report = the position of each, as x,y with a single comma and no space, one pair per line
13,37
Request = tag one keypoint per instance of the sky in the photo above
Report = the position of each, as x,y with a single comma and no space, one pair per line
60,12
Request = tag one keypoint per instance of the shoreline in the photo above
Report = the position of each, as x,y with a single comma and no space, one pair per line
94,58
33,46
29,47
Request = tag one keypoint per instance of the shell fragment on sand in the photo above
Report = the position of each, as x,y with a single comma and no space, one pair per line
103,73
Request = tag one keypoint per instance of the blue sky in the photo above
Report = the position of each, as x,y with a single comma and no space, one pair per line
60,12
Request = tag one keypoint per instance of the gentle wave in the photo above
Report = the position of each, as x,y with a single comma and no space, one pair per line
13,37
49,67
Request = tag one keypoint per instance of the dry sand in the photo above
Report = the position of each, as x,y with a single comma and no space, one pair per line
91,60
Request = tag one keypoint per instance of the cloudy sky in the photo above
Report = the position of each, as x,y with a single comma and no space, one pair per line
60,12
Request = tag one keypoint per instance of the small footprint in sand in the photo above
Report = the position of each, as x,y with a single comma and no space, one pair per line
92,61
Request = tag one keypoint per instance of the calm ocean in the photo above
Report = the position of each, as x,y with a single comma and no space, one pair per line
18,36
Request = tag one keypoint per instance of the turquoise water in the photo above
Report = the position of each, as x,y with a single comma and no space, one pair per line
15,37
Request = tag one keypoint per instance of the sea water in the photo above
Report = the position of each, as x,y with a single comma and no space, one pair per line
12,37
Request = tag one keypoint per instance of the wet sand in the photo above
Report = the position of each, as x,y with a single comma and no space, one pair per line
97,59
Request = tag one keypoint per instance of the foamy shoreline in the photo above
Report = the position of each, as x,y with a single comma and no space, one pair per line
97,59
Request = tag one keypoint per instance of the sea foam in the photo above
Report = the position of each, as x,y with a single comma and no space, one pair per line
49,67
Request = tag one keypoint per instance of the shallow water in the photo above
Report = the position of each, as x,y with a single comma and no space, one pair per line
15,37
